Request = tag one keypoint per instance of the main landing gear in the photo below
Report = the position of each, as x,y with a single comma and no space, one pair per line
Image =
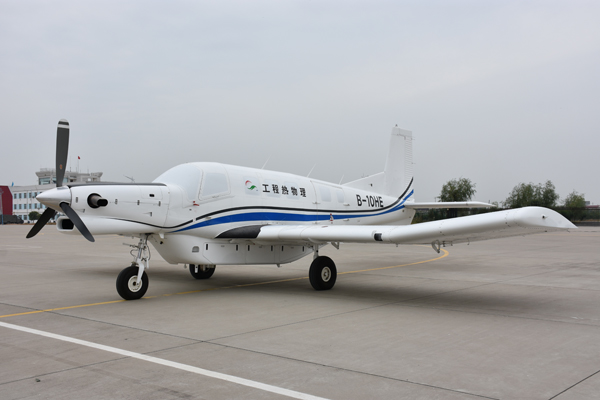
132,282
322,273
202,271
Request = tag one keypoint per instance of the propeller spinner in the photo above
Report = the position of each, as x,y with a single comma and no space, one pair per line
59,198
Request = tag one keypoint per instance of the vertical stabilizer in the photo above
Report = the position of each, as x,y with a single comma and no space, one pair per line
398,173
398,170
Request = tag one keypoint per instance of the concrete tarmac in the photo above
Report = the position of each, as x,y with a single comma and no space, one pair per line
514,318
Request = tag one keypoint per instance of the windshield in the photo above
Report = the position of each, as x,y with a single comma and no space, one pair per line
187,176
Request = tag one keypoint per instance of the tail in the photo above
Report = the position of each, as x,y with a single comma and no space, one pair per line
397,175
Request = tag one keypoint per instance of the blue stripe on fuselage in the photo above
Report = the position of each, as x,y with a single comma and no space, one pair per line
282,216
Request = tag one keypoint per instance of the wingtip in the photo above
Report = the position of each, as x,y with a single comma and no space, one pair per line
544,217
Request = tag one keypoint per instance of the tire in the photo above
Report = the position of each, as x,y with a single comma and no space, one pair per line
207,273
126,284
322,273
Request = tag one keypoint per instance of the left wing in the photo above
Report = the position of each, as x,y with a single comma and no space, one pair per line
517,222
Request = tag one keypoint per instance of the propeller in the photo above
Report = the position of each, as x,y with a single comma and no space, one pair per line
77,221
41,222
62,151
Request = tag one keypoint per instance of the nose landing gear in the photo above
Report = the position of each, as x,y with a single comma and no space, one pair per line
132,282
128,285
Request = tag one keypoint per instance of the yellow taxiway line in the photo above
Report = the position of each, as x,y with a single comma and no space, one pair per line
222,287
60,308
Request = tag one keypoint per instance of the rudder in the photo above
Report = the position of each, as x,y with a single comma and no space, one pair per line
398,171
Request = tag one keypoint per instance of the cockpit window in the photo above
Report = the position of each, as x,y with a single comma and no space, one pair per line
215,184
187,176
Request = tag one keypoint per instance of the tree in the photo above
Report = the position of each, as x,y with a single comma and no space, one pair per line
574,204
528,194
461,189
574,200
34,216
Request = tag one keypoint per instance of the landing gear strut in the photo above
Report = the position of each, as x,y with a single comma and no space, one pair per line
132,282
322,273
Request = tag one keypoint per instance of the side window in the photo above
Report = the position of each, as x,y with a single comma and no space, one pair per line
339,195
214,184
325,193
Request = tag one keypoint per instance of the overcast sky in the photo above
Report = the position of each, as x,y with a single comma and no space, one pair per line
499,92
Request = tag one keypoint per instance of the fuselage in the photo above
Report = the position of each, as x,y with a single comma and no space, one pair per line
224,203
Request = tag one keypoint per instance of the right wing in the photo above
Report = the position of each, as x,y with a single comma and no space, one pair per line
449,204
499,224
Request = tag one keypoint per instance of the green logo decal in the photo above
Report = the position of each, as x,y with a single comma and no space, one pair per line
250,186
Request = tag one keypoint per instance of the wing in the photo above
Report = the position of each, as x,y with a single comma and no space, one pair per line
499,224
449,204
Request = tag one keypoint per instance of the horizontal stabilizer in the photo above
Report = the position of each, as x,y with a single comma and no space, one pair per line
499,224
450,204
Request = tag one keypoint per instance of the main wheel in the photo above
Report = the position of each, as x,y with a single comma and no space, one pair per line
322,273
127,284
207,273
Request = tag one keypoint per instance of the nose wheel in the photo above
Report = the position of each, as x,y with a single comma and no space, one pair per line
132,282
322,273
128,285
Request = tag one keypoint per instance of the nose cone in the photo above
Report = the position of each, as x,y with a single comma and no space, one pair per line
53,197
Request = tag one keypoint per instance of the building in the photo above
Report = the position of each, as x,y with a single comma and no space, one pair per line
6,205
23,198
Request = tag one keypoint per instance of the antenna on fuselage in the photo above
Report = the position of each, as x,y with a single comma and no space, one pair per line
130,178
265,164
311,170
341,179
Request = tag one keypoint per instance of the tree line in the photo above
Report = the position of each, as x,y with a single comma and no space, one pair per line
522,195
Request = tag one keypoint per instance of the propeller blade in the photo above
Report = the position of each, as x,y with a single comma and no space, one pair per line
62,150
77,221
46,216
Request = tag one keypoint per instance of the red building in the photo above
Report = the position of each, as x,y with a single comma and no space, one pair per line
6,202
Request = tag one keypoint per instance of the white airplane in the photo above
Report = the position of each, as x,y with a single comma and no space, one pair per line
206,214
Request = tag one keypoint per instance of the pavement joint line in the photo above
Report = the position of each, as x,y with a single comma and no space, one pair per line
353,371
572,386
446,253
60,371
575,322
160,361
193,340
